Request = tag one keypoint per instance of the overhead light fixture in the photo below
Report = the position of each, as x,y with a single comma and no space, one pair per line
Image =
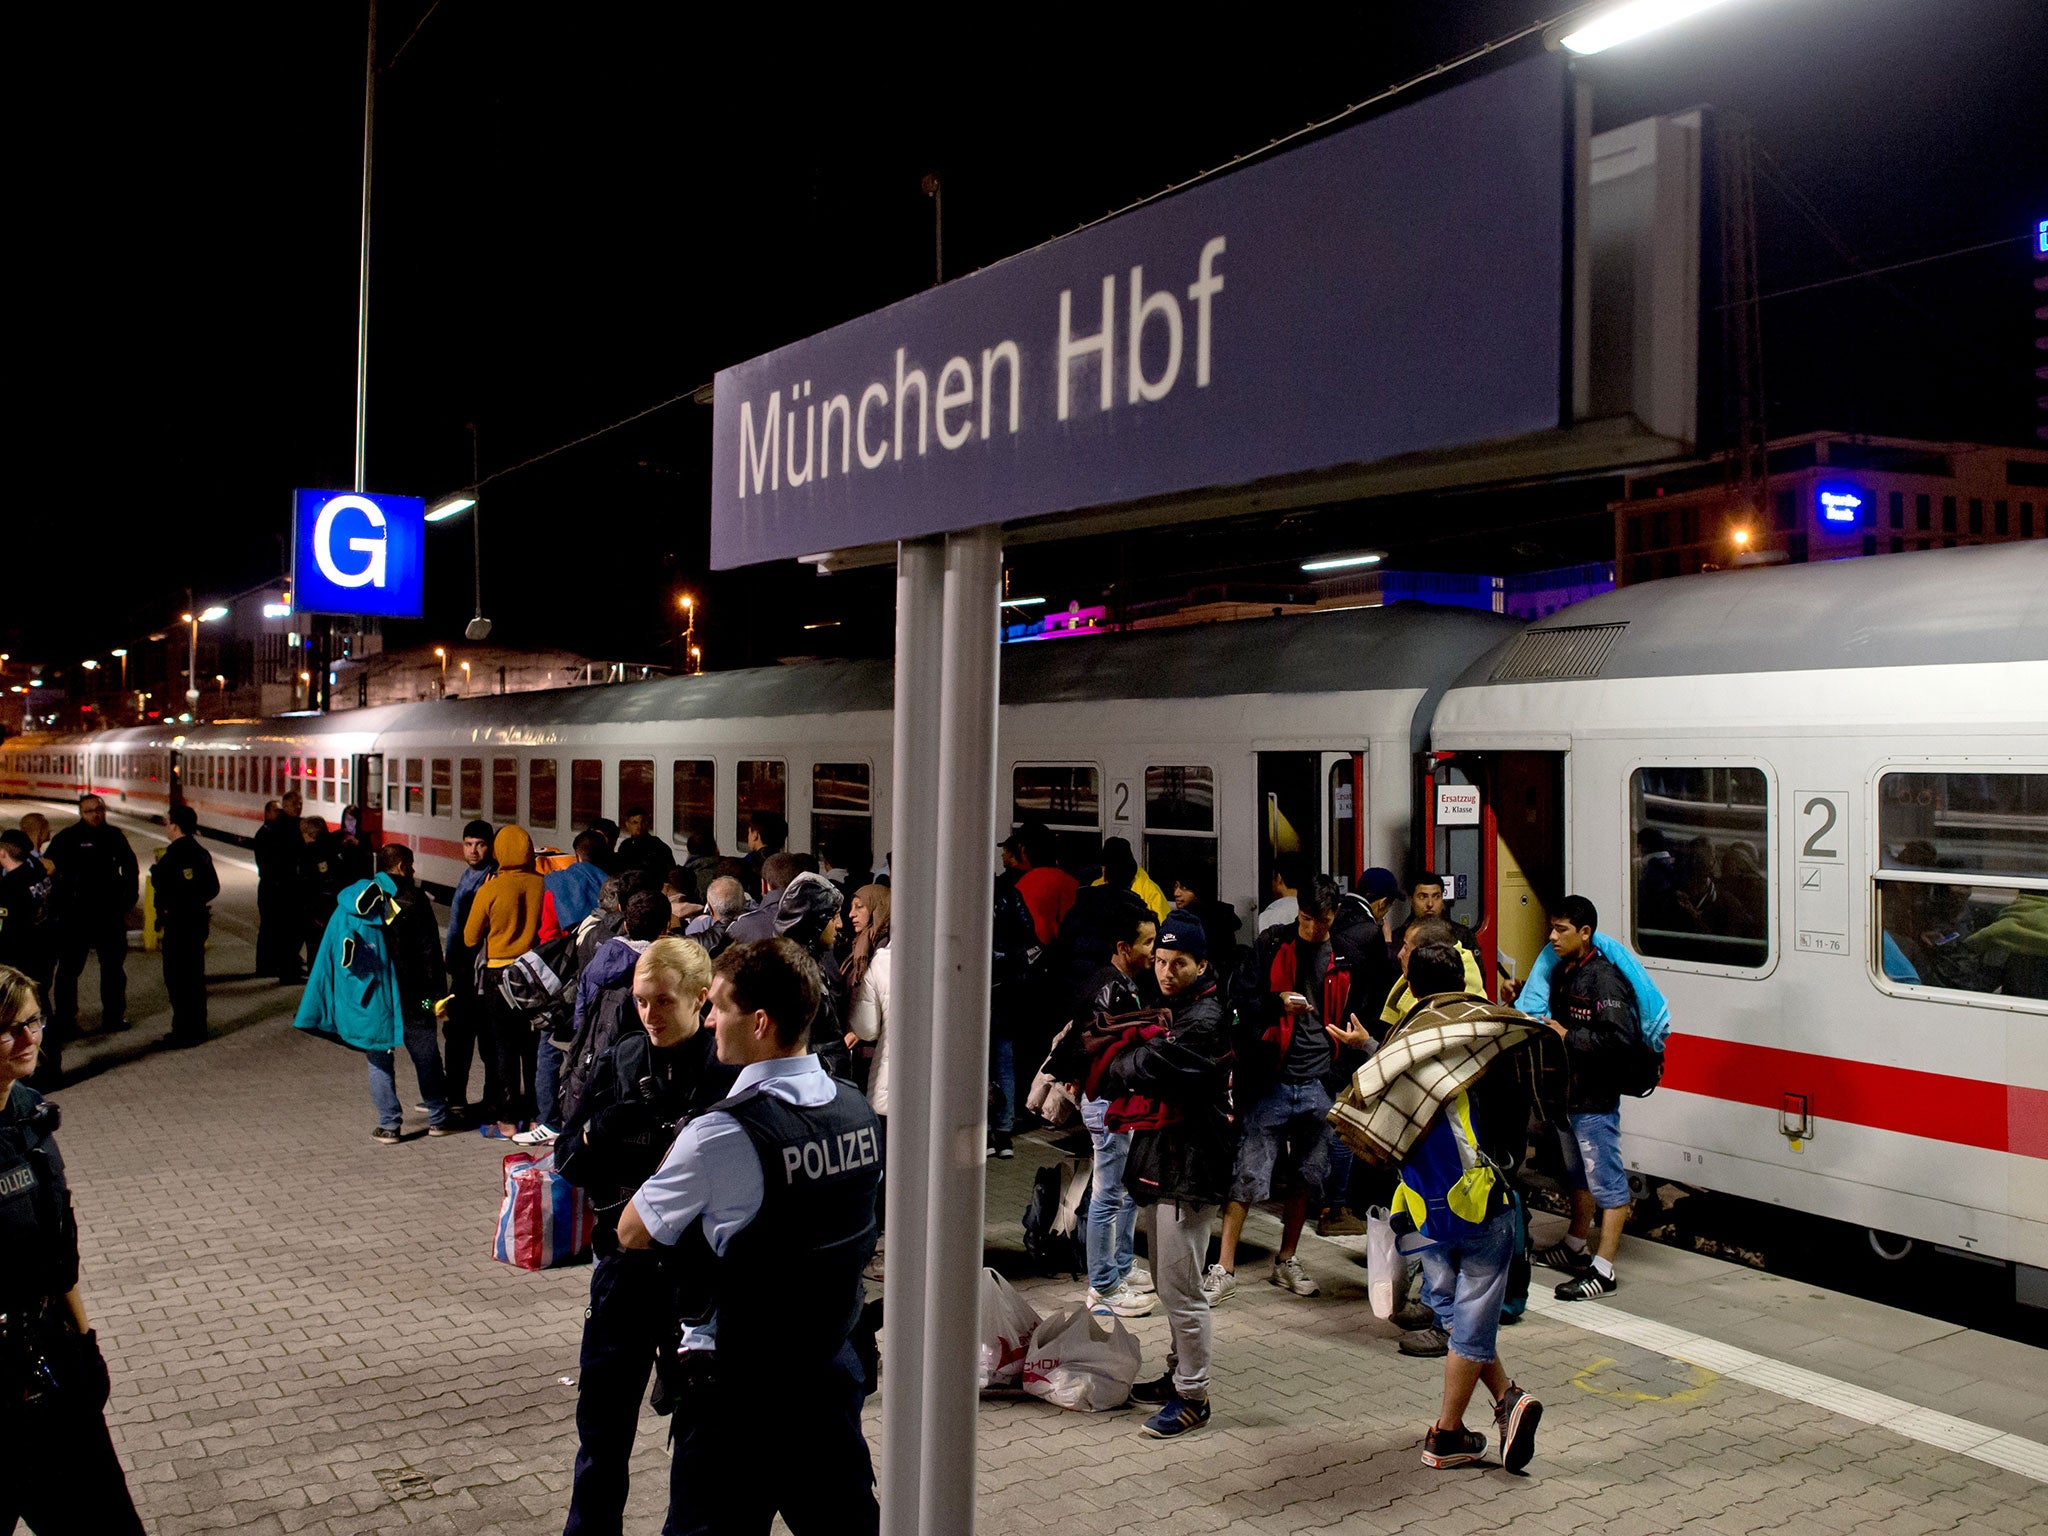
1022,602
1342,562
450,506
208,615
119,650
1627,22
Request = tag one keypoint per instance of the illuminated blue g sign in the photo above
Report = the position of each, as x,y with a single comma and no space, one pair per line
1839,503
354,553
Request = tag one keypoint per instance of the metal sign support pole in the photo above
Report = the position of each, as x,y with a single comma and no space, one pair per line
965,788
913,897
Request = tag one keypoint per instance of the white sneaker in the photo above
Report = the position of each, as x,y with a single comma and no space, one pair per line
539,1136
1290,1276
1218,1284
1140,1280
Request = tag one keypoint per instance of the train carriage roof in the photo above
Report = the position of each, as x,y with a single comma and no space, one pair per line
1986,603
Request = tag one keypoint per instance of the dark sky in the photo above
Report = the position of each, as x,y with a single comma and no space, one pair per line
583,210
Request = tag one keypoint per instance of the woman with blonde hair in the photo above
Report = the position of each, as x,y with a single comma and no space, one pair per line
53,1380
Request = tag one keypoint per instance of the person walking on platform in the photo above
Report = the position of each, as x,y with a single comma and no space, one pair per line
64,1478
648,1080
98,887
280,933
185,883
504,921
465,1023
768,1199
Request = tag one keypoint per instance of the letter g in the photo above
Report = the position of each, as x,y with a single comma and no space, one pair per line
372,573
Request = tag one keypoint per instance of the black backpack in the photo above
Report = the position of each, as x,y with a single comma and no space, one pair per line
1052,1249
1642,1069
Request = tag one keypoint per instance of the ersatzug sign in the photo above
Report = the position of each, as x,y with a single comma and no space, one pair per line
1395,288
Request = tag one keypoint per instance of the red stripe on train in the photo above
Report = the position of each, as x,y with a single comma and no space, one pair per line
1962,1110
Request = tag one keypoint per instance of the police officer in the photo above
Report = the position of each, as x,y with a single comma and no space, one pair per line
185,882
769,1200
64,1478
99,885
648,1082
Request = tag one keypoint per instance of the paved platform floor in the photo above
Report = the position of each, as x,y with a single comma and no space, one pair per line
307,1333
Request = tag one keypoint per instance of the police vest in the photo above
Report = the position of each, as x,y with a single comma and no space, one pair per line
787,1290
37,1233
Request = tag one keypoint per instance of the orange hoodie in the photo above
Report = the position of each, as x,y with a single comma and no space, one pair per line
507,906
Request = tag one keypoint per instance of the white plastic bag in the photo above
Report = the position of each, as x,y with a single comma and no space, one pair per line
1007,1324
1077,1362
1383,1266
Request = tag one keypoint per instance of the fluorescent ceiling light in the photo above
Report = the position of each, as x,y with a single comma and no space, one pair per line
1341,562
208,615
1625,23
1022,602
450,506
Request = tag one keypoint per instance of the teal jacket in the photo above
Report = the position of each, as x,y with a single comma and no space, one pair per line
353,995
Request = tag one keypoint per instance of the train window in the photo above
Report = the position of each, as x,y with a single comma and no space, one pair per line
1963,881
760,789
372,787
842,817
392,777
505,788
266,775
1067,797
415,785
586,791
347,770
327,779
540,791
443,801
471,784
242,775
690,803
1180,828
636,788
1702,864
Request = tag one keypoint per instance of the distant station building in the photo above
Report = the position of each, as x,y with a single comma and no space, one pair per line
468,671
1830,495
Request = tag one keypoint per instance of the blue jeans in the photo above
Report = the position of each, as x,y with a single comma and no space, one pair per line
546,1073
420,1045
1002,1067
1283,1145
1592,1158
1464,1281
1112,1213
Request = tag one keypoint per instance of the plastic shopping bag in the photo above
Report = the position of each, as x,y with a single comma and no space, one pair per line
1383,1264
1079,1360
1007,1324
544,1220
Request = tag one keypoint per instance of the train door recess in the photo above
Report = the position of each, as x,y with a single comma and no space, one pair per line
1496,833
369,782
1312,806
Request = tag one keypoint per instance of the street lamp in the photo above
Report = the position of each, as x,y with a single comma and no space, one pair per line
690,652
194,620
1626,22
465,679
121,654
453,506
441,651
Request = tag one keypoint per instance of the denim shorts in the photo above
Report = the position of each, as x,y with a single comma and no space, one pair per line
1592,1158
1282,1146
1465,1280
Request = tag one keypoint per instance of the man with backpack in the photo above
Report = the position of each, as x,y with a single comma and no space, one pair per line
1593,1010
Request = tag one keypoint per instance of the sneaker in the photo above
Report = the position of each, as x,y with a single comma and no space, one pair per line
444,1129
1181,1416
1560,1255
1451,1447
1517,1414
1413,1317
539,1136
1426,1344
1290,1276
1218,1285
1585,1287
1125,1302
999,1145
1157,1390
1140,1280
1339,1222
386,1134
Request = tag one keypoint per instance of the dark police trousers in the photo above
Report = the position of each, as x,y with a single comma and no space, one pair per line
69,1481
184,954
629,1302
77,938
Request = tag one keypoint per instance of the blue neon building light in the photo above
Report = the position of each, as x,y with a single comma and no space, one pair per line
1839,503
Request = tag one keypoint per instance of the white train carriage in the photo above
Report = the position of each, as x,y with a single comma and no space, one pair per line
1815,800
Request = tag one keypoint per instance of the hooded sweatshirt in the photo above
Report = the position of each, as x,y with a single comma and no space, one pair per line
353,994
505,916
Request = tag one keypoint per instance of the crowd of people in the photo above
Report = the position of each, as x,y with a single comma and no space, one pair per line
706,1046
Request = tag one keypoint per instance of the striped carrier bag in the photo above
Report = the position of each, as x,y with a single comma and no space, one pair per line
544,1220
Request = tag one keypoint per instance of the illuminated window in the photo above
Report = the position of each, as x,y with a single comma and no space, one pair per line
415,785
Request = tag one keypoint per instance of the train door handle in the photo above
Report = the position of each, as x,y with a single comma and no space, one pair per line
1795,1119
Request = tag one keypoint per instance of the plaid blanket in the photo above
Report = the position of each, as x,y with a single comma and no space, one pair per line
1441,1050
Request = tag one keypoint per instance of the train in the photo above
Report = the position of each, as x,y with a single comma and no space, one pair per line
1813,798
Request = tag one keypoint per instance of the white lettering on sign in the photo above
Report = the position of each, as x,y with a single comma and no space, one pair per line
884,420
831,1155
1457,805
372,573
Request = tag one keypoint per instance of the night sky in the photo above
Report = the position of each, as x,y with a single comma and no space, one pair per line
581,211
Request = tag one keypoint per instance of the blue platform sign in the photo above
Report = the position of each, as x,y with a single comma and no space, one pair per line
1397,288
358,554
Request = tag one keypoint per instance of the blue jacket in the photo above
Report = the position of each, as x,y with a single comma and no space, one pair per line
1651,1009
575,891
612,964
353,995
453,950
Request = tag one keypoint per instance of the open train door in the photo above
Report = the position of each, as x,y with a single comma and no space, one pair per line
1497,834
368,779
